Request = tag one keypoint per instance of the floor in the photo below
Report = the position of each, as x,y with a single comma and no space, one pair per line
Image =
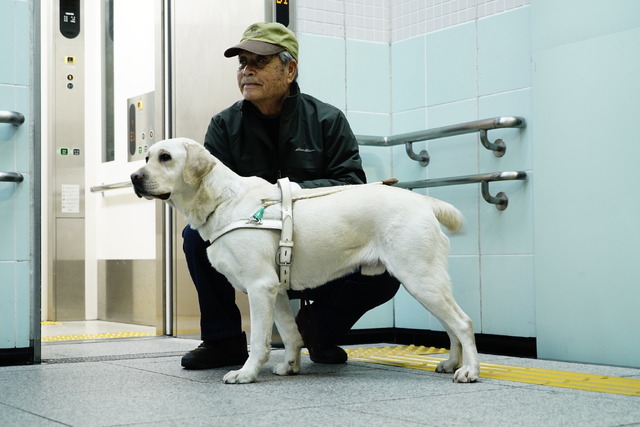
129,381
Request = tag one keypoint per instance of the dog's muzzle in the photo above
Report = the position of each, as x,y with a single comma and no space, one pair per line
138,181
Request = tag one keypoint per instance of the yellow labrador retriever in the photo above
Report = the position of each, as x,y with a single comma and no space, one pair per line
335,231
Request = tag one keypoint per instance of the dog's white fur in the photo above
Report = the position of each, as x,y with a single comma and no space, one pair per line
375,227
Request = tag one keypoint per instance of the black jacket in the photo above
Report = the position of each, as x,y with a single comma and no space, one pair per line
316,146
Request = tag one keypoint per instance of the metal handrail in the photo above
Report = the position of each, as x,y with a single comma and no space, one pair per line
106,187
482,126
500,200
12,117
11,177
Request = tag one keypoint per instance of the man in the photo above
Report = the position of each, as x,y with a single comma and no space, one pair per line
277,131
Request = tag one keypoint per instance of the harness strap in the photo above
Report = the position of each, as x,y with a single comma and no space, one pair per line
273,224
283,256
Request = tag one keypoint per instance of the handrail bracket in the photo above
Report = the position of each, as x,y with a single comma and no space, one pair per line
498,147
500,200
422,157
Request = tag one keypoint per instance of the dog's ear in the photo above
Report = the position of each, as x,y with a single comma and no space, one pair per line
198,164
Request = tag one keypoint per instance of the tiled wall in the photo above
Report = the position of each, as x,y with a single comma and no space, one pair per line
390,21
14,157
407,77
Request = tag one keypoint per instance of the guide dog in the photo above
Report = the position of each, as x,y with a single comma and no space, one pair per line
335,231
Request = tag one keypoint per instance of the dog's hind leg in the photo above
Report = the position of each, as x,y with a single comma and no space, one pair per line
433,291
455,354
262,298
291,338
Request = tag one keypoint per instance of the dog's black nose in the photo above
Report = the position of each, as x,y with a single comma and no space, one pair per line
137,177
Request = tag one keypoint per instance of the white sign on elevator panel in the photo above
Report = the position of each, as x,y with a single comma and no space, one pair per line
70,197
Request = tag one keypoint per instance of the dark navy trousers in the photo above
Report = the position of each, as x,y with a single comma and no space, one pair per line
336,306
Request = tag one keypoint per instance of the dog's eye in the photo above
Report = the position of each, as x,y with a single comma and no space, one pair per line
164,157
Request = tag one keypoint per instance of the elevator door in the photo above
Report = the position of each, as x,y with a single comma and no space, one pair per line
122,275
204,83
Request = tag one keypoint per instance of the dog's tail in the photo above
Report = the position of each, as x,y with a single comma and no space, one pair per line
448,215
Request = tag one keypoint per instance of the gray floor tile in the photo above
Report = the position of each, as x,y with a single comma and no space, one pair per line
140,382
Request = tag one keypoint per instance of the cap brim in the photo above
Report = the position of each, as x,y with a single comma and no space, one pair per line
254,46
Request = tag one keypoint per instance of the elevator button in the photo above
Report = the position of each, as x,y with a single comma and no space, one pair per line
69,76
64,151
69,85
76,151
70,60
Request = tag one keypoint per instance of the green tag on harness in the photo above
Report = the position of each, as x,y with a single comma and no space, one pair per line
258,215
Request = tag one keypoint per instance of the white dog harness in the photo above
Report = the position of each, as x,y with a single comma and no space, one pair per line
285,224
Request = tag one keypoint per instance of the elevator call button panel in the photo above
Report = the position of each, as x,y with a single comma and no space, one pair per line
141,121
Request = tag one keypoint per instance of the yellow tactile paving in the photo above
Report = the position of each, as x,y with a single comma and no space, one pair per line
96,336
415,357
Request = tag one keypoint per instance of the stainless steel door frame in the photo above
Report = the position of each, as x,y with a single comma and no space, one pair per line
194,81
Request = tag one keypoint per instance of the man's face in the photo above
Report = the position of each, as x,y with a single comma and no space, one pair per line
263,80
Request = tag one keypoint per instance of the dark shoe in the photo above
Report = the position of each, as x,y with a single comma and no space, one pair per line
215,354
329,355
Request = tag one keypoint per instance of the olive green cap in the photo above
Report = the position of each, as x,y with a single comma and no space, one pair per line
266,38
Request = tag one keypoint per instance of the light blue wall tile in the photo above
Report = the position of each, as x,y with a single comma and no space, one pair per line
21,141
322,68
22,304
587,238
376,161
7,42
504,52
8,191
7,304
410,314
379,317
7,131
466,199
22,224
508,295
509,231
369,123
15,198
404,168
465,279
455,155
451,64
408,68
23,49
368,83
519,142
570,21
464,273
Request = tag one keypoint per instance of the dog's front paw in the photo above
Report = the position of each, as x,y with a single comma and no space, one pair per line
290,367
447,366
466,374
239,377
